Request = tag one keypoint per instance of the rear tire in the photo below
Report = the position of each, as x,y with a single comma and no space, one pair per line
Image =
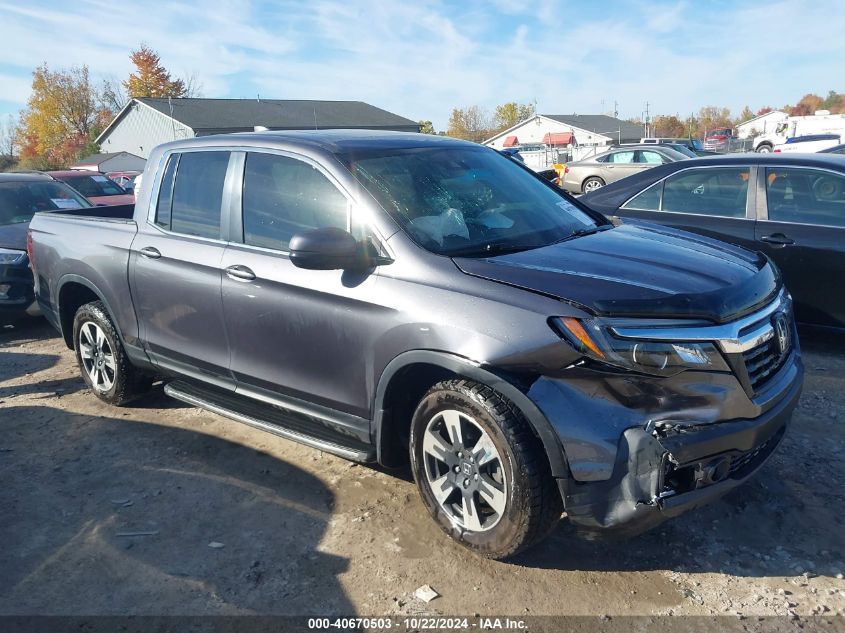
102,360
481,472
591,184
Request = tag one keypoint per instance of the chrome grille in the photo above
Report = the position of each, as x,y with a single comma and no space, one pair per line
763,361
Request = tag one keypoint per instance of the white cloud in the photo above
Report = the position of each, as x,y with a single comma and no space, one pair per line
421,59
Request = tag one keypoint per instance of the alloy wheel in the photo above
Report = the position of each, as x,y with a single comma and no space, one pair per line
592,186
464,471
97,356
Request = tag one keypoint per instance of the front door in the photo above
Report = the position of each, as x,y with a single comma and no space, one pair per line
175,269
295,334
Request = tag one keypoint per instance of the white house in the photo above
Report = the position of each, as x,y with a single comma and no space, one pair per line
115,161
545,139
761,124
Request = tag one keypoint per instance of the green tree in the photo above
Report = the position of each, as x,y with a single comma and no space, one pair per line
509,114
834,102
746,115
427,127
150,78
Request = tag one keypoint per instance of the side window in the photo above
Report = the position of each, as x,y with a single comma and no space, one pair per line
718,191
647,156
165,193
647,200
284,196
198,193
809,196
621,157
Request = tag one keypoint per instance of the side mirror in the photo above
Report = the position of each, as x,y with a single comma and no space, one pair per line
325,249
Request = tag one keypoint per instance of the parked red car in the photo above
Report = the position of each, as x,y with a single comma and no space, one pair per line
95,186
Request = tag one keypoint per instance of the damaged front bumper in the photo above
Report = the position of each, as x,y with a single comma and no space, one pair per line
663,471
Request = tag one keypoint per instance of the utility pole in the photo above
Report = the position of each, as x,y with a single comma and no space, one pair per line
615,109
647,120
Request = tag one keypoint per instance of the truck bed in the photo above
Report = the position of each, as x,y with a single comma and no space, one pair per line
91,244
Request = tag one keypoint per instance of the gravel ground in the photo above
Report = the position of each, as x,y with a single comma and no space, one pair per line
165,509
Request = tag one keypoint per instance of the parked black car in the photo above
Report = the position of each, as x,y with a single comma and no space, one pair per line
21,196
391,297
790,207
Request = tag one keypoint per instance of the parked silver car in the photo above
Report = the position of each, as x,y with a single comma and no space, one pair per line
597,171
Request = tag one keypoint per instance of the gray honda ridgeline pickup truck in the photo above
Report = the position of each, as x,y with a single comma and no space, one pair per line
390,297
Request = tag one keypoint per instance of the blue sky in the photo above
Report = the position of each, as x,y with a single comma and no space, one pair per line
420,59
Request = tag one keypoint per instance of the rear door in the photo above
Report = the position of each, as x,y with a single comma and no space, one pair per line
802,228
713,201
618,165
175,268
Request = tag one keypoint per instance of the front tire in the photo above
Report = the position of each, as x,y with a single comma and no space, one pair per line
481,472
591,184
764,148
102,360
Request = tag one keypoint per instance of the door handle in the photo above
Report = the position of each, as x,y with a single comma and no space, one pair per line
149,251
241,273
778,239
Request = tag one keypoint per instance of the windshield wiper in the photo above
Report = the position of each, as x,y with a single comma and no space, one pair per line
490,249
585,231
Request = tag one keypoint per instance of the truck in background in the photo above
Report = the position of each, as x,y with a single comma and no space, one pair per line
822,122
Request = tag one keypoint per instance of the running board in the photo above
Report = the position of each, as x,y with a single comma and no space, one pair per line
287,424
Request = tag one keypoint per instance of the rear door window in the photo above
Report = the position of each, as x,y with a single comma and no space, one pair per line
647,156
197,198
283,196
806,196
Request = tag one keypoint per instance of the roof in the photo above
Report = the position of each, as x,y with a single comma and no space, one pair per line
511,141
96,159
336,141
65,173
596,123
600,124
13,176
760,116
210,116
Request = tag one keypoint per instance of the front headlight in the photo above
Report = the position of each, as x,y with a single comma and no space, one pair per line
596,341
8,256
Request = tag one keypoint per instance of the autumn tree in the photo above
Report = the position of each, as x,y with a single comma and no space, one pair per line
427,127
763,111
668,126
509,114
808,105
62,117
471,123
150,78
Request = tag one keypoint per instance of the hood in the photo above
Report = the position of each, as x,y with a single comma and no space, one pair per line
640,271
14,236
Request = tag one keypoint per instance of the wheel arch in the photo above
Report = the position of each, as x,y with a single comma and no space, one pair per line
412,373
75,291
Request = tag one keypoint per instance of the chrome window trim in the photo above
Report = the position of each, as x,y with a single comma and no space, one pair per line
728,336
662,182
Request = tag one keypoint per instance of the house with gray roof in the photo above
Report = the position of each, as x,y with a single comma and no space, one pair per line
560,130
146,122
